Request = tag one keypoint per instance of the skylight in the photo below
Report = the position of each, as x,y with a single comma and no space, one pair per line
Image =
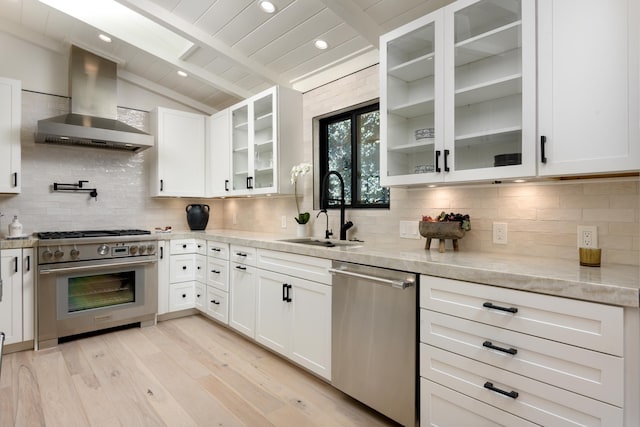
119,21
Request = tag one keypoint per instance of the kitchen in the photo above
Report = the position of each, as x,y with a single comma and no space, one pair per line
542,216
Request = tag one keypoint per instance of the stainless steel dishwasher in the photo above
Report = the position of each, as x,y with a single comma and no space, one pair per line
374,312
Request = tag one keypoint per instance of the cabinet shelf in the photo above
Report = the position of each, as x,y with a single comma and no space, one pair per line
491,43
240,149
492,136
241,126
412,147
415,69
494,89
413,109
263,122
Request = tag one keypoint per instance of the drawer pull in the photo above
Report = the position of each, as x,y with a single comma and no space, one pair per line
490,345
512,394
215,302
497,307
184,267
215,271
216,249
240,267
241,254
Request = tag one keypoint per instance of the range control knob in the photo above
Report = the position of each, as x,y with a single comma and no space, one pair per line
47,255
133,249
58,254
143,249
103,249
151,249
74,253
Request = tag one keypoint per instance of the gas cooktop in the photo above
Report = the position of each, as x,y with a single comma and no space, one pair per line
48,235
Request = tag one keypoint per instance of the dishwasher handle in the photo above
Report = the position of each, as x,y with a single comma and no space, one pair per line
399,284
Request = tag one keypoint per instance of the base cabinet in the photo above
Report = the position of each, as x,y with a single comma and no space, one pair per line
17,297
187,263
242,290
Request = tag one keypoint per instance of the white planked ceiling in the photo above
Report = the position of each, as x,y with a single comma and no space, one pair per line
238,50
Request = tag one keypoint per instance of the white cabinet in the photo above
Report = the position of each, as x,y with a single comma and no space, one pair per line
178,158
266,130
544,359
10,122
293,314
458,95
17,295
589,87
163,276
242,290
216,304
217,149
187,268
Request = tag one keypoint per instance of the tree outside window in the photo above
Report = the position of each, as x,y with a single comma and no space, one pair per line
350,145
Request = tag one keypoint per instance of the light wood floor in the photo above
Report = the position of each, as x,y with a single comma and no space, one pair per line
182,372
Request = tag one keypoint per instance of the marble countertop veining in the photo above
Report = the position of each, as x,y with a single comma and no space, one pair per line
610,284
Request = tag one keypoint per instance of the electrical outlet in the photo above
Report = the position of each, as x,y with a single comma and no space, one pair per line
283,221
500,230
409,230
587,236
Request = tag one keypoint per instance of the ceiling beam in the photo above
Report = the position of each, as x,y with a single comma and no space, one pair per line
356,18
164,17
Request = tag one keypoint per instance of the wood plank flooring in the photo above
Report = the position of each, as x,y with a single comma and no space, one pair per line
181,372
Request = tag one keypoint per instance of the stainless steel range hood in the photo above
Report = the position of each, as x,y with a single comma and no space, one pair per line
93,118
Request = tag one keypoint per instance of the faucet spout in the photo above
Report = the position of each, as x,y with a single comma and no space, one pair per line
323,202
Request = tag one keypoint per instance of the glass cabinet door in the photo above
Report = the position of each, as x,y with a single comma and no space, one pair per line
240,148
263,142
489,88
411,100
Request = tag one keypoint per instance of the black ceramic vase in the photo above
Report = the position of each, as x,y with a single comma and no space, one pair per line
197,216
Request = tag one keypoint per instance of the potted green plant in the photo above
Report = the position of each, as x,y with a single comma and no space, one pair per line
303,217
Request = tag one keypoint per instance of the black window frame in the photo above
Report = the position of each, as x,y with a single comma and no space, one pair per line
323,160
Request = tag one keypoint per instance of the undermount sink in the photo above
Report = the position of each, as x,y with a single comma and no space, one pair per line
322,243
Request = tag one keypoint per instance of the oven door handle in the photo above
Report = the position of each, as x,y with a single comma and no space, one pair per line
48,270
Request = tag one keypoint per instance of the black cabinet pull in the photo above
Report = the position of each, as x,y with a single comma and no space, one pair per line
446,157
198,295
543,143
184,246
497,307
15,260
215,271
490,345
240,267
198,267
15,179
215,302
184,295
284,292
184,267
161,252
215,249
288,294
249,182
162,185
226,185
438,161
512,394
241,254
28,262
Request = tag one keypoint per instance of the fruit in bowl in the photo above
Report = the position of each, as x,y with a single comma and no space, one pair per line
444,226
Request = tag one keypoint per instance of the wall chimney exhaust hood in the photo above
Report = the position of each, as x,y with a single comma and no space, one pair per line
93,118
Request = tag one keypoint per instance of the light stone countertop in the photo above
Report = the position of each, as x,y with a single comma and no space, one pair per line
609,284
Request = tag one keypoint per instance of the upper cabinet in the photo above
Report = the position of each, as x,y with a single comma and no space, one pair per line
458,94
10,121
178,157
218,149
588,75
266,135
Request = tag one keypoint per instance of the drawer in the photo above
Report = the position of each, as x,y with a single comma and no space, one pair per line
218,274
584,324
218,250
182,268
243,255
183,246
217,304
535,401
440,406
591,373
302,266
181,296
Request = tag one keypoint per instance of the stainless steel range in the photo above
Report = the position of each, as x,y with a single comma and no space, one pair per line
93,280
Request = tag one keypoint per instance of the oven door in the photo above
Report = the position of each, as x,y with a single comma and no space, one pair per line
85,296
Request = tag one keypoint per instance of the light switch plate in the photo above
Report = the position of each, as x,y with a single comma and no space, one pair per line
409,230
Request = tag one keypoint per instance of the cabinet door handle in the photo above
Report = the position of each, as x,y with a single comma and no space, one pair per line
497,307
184,267
15,179
15,260
438,161
215,302
249,182
198,267
490,345
240,267
184,295
241,254
288,293
161,252
284,292
162,185
226,185
198,295
184,246
543,143
215,271
512,394
215,249
446,157
28,262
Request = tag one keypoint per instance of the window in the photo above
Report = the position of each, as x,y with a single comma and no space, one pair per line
350,145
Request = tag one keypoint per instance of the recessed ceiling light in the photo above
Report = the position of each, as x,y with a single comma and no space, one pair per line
321,44
519,180
105,38
182,73
267,6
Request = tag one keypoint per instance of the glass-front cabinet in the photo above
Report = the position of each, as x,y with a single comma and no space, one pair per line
458,90
258,164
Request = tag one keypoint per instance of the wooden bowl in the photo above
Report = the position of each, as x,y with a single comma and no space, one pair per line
441,230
